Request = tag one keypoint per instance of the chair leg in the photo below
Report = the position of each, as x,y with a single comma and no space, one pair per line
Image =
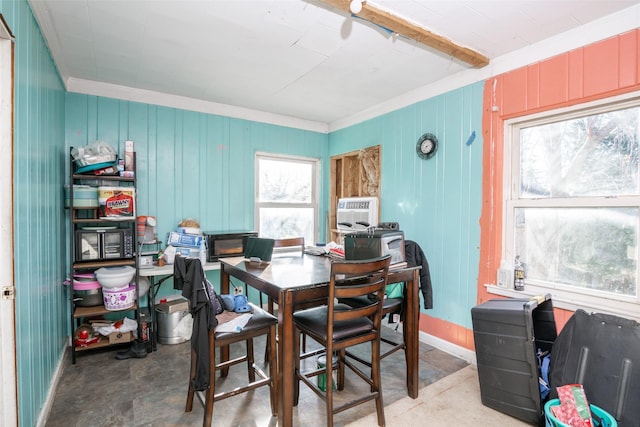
192,377
341,357
273,371
270,308
296,380
328,372
211,392
267,353
375,374
250,361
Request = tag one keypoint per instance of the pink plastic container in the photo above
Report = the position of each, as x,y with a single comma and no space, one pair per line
119,299
85,286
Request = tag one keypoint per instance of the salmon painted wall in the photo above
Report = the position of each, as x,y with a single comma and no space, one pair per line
600,70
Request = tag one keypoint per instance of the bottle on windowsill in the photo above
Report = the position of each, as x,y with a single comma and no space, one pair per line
518,274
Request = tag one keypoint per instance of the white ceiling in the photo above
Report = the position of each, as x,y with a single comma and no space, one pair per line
294,59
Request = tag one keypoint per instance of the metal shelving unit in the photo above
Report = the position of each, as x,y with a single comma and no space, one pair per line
85,216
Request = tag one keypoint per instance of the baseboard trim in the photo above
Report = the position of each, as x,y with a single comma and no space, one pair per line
453,349
51,394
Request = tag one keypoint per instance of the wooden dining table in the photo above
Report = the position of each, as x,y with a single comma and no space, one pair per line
293,280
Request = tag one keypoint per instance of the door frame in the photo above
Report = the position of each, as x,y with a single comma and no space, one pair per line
8,379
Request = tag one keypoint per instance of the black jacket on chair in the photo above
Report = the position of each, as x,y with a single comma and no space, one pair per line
415,256
189,276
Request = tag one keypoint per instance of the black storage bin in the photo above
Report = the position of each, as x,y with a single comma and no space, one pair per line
601,352
507,334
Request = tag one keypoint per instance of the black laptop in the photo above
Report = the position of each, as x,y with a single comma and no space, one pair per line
260,248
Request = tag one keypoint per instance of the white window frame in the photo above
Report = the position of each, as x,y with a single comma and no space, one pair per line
562,295
315,191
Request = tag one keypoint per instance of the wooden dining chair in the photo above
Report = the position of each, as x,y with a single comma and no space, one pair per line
205,339
337,327
390,307
290,244
295,245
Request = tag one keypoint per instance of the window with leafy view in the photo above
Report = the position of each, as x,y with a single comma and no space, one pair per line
287,197
573,200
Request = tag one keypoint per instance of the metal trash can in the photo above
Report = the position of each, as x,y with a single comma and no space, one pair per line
169,314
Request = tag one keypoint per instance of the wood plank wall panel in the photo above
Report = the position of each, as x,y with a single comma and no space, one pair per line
601,65
629,59
600,70
436,201
575,66
190,165
553,81
40,237
512,82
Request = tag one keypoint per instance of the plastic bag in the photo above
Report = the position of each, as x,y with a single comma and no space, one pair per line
184,328
395,290
169,254
574,408
99,150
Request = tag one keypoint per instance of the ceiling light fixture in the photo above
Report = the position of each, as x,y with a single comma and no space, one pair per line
356,6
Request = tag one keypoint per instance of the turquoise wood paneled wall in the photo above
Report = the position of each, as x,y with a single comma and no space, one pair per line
200,165
437,201
39,243
189,164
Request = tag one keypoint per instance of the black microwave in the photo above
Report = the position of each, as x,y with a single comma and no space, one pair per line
98,244
221,244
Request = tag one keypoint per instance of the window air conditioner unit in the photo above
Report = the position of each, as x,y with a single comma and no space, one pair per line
357,213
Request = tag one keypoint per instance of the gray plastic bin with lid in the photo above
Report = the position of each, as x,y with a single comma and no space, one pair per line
169,315
507,335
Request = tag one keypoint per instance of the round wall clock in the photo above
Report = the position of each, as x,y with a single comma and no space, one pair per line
427,146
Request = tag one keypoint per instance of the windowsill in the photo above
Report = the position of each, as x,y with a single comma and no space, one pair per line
571,302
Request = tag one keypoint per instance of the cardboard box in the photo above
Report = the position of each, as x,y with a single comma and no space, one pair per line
181,239
187,252
120,337
173,306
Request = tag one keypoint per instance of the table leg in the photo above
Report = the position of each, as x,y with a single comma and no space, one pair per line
151,298
412,325
286,365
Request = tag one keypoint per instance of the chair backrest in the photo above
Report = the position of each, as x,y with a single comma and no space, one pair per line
352,279
290,243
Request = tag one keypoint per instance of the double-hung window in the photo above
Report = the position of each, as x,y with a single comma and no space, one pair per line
572,208
286,201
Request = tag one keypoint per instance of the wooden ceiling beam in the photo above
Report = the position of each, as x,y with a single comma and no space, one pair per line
401,26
